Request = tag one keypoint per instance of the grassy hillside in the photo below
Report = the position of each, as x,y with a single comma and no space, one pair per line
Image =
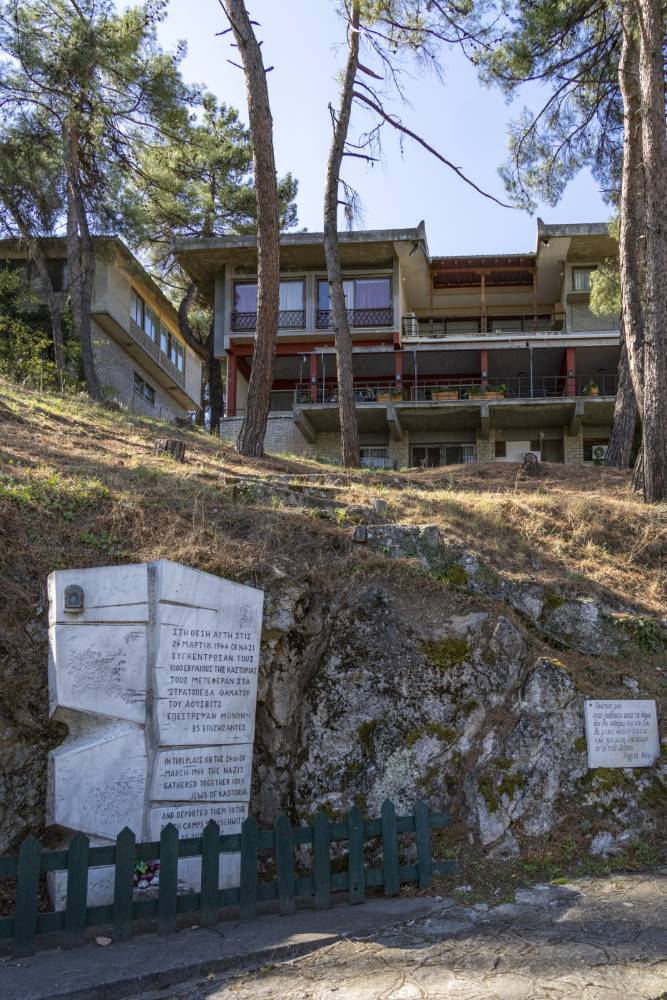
80,486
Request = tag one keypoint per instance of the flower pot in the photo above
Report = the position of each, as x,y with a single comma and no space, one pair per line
443,394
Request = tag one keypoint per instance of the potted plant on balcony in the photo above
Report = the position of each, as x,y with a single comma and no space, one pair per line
391,394
444,392
497,392
591,389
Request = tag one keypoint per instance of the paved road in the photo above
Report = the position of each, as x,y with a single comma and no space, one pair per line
596,939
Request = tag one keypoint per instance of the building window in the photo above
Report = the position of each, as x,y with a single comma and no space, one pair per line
291,306
374,457
431,456
368,302
164,340
143,389
137,309
172,348
501,449
151,324
581,278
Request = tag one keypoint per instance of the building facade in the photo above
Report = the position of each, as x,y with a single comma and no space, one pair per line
140,357
456,359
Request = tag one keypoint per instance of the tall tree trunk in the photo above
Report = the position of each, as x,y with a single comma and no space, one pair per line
654,148
216,396
253,429
631,252
625,414
349,429
81,260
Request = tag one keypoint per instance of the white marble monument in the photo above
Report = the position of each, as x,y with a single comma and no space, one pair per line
622,733
153,668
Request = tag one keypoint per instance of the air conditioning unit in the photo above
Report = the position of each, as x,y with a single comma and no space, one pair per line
598,452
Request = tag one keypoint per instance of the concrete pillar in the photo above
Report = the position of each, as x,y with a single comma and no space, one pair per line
399,452
486,447
573,447
231,385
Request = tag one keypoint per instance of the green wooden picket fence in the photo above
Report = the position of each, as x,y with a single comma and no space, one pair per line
32,863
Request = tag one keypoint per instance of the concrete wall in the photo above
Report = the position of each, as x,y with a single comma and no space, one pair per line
116,368
112,294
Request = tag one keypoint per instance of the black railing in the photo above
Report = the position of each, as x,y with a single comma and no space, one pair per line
288,319
451,390
439,327
381,316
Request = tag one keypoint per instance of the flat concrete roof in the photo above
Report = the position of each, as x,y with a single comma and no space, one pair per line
572,229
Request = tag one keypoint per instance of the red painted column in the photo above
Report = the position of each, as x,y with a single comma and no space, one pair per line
571,369
313,377
398,367
484,367
231,385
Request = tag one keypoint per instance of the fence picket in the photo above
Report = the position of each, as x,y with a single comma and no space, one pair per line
210,873
77,860
423,838
321,863
357,875
392,881
248,888
123,885
77,890
27,890
285,864
168,890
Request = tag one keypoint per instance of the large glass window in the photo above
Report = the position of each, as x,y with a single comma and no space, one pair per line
368,302
245,297
581,278
291,305
151,323
137,309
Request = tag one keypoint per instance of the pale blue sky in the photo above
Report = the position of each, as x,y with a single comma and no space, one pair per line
303,40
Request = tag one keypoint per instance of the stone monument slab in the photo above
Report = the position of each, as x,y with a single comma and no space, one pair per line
153,668
622,733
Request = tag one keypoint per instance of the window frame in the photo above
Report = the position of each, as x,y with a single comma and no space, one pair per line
586,269
353,280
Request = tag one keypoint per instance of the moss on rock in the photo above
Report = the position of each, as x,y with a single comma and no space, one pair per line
446,653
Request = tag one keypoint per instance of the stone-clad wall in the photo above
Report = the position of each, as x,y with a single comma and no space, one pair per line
115,369
486,448
573,447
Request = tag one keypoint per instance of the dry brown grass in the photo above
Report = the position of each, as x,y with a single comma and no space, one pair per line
80,486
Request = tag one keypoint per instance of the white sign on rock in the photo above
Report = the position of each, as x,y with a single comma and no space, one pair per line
155,677
622,733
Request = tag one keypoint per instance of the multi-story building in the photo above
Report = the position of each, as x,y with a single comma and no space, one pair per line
456,359
140,357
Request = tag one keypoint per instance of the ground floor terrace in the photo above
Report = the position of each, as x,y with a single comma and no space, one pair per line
436,407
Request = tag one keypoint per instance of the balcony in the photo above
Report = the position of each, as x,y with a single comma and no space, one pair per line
451,390
148,345
376,316
288,319
440,328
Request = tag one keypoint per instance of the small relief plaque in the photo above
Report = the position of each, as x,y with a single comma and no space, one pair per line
621,733
203,774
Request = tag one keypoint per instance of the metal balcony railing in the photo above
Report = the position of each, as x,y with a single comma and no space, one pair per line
288,319
440,328
381,316
449,390
148,345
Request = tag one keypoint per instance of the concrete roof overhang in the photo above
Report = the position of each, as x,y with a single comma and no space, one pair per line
204,258
507,270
